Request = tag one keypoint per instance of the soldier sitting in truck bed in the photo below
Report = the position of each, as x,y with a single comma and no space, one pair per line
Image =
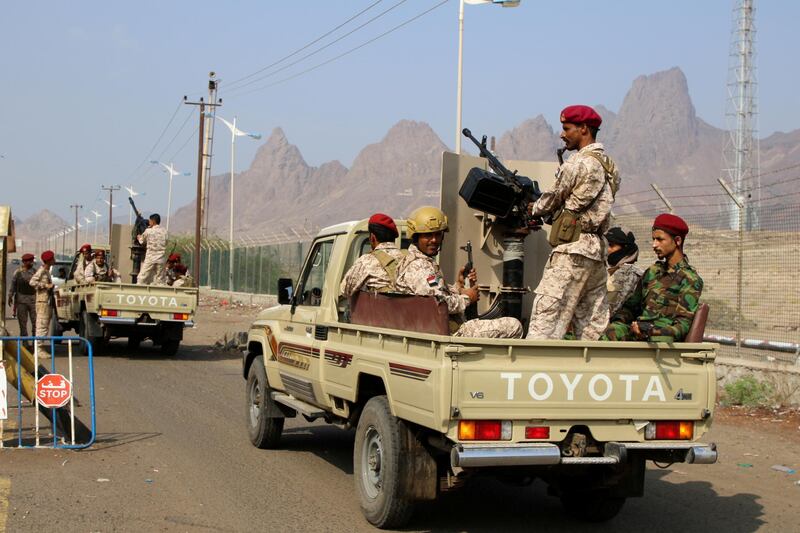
419,273
98,270
665,301
377,270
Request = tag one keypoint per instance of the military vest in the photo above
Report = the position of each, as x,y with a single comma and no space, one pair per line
390,265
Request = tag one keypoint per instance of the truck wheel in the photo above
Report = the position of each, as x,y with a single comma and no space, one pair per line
170,347
264,432
378,458
592,506
83,329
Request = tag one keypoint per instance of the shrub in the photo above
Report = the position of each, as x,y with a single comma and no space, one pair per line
748,391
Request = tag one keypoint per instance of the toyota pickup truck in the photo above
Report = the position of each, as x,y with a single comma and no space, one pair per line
431,410
100,311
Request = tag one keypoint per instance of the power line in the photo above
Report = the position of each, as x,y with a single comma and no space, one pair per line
186,142
348,52
318,39
186,121
320,49
161,136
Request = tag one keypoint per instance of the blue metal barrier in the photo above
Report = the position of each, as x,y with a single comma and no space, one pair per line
66,418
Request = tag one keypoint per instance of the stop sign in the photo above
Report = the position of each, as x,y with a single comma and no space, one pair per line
53,390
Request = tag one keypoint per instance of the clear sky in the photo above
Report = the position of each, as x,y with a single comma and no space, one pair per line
88,87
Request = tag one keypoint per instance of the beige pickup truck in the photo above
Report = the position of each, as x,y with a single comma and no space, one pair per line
100,311
431,410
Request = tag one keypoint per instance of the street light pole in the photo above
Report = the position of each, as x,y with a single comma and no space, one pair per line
172,173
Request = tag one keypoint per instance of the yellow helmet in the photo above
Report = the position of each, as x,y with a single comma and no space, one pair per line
426,219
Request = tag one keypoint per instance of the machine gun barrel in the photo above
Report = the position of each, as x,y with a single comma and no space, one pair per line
495,163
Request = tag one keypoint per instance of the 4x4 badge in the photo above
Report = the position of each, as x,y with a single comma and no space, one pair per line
680,395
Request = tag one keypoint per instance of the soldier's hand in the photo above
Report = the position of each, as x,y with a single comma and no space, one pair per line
636,331
472,277
472,293
460,278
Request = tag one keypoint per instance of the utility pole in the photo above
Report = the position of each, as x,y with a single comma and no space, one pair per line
213,85
76,207
110,189
201,155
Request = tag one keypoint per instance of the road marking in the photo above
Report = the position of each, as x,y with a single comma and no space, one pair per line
5,492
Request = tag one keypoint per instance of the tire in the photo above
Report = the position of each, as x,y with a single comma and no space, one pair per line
170,347
97,342
592,506
265,433
379,458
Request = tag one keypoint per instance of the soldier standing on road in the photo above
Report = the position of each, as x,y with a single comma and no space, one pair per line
155,239
664,303
43,284
22,296
377,270
419,273
623,274
572,291
98,270
84,260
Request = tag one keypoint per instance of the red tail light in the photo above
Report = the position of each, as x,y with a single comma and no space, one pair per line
669,430
484,430
108,312
537,432
180,316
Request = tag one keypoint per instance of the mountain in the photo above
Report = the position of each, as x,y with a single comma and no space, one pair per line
534,140
41,224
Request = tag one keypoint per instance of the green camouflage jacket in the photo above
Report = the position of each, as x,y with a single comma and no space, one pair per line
667,297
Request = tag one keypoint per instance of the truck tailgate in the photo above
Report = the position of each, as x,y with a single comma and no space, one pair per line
146,298
591,381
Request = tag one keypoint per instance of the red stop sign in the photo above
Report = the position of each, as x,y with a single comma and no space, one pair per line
53,390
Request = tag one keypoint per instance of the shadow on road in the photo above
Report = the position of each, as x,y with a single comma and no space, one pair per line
147,351
105,441
489,505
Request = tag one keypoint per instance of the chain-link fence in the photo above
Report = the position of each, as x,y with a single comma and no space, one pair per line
751,278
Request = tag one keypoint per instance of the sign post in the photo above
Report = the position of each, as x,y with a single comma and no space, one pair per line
53,390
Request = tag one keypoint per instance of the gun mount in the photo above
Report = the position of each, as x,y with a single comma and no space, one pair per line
138,250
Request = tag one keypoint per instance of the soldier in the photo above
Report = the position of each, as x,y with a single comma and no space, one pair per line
664,303
572,292
172,261
155,239
84,260
43,284
182,278
98,270
623,274
377,270
419,273
22,296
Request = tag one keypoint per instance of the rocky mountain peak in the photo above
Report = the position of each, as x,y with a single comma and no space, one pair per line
533,140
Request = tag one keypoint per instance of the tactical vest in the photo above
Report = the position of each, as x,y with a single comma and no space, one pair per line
389,264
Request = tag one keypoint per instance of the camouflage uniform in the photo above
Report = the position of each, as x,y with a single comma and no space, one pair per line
622,281
24,299
155,238
80,268
184,280
170,276
666,296
368,273
419,274
95,272
44,311
573,287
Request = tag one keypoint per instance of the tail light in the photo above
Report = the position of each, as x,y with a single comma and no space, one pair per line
484,430
537,432
669,430
180,316
108,312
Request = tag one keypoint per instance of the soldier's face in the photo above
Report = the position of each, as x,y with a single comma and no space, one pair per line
614,247
100,260
27,264
571,135
430,243
663,243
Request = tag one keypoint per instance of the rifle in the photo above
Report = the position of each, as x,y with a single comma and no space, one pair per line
140,224
560,154
503,193
472,309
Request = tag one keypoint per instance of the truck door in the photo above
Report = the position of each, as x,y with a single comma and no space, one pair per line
299,352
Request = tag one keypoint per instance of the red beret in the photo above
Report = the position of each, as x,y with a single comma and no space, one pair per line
672,224
85,247
384,220
174,258
48,255
27,257
581,114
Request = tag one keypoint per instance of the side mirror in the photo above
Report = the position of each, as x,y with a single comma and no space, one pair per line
285,291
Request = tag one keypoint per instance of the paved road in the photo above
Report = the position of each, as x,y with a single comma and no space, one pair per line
173,448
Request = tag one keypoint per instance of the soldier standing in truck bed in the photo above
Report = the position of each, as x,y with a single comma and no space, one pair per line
22,296
84,260
377,270
155,239
572,291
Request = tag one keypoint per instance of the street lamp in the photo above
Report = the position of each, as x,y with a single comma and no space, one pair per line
96,223
504,3
170,169
88,221
133,194
235,132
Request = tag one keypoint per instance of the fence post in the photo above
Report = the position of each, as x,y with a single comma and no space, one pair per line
740,263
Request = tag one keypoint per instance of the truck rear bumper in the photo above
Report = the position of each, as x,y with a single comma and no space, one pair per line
133,322
543,454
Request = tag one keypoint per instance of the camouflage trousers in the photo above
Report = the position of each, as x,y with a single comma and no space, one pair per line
26,311
497,328
44,313
573,293
152,271
618,331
